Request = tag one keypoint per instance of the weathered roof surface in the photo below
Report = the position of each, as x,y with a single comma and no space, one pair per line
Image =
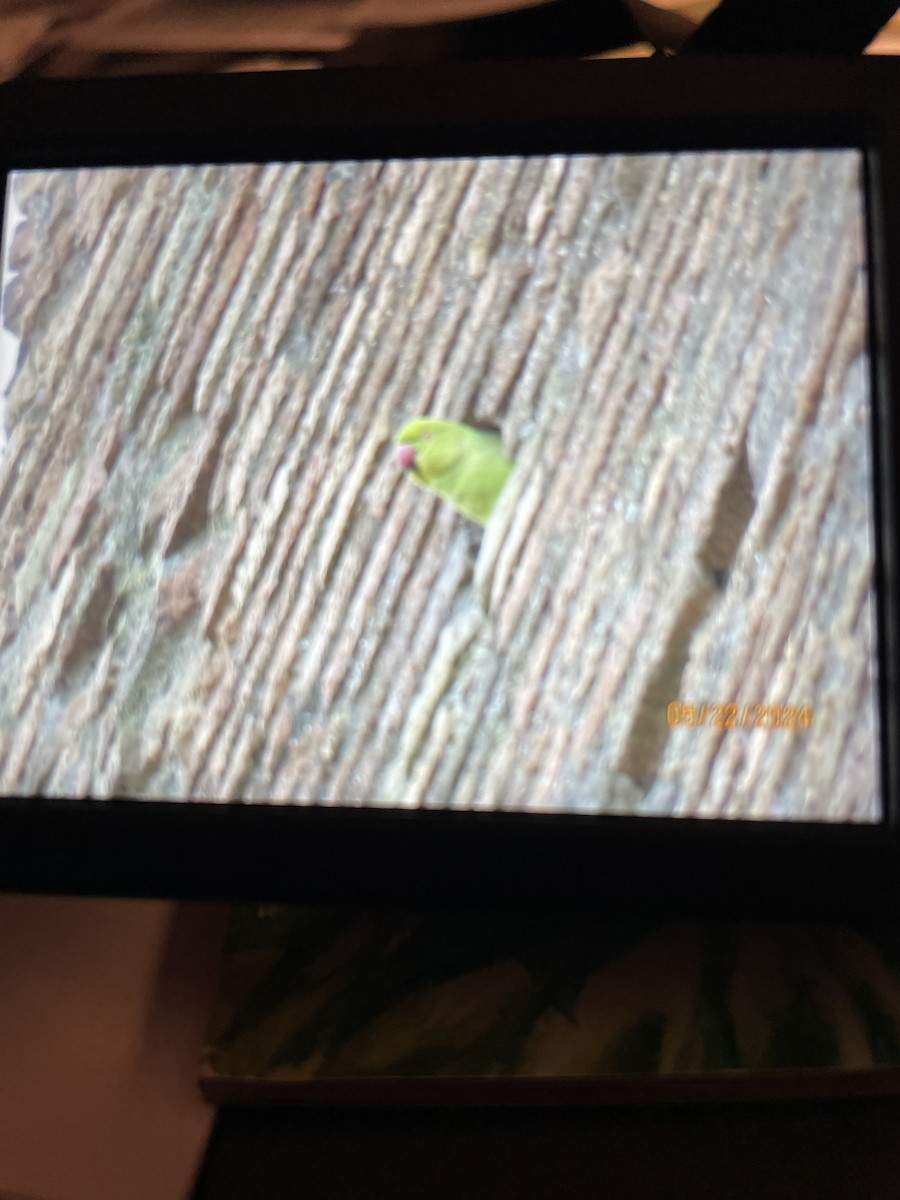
217,583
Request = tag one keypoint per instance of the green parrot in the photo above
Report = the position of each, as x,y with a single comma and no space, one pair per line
463,465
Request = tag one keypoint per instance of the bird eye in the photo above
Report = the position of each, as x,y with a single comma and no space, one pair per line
424,436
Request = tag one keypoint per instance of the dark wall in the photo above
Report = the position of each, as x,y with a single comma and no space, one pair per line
849,1150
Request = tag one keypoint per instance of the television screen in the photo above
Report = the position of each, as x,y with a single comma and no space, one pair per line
536,482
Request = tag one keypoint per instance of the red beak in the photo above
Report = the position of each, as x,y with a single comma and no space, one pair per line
406,456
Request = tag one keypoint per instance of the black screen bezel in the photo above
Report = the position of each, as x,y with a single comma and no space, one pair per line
239,851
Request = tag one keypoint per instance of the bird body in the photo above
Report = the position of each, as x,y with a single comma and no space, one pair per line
463,465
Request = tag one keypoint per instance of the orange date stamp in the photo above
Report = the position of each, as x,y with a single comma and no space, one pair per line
730,715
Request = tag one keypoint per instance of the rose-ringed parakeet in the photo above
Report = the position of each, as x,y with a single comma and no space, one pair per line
461,464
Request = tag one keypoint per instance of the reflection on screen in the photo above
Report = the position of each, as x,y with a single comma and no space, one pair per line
625,564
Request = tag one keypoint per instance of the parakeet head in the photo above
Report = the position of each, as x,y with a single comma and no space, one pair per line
429,447
464,465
